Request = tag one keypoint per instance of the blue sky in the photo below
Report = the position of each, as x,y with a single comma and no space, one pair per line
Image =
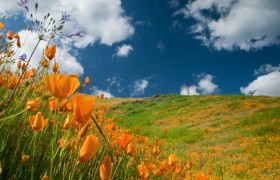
142,48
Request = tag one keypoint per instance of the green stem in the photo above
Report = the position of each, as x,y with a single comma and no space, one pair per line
23,71
33,156
5,44
102,134
14,115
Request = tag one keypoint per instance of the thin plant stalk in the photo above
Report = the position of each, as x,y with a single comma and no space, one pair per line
14,90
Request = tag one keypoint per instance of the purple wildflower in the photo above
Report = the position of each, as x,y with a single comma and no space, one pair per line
23,3
79,34
65,16
23,57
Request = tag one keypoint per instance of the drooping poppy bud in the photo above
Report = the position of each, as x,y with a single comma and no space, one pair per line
50,52
87,80
23,66
18,42
19,64
44,63
55,67
9,35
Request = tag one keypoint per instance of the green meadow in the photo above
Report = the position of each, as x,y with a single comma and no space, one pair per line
238,136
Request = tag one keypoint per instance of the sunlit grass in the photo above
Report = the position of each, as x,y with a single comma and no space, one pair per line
234,133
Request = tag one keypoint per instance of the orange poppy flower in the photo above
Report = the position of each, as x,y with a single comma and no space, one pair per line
163,165
9,35
53,105
172,159
12,82
201,176
61,86
143,171
87,80
151,166
50,52
33,105
24,158
164,130
82,107
105,169
189,165
37,122
65,105
45,63
67,124
155,150
45,177
209,171
89,148
157,172
1,25
130,149
124,140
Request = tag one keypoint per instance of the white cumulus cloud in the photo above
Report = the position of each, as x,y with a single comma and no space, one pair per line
139,87
124,50
266,68
266,84
231,24
96,92
101,20
204,86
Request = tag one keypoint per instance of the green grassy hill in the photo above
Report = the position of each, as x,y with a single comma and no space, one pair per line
238,134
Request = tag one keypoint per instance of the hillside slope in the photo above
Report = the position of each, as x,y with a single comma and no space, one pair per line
238,134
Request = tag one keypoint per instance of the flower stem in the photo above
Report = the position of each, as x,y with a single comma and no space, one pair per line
14,115
23,71
102,134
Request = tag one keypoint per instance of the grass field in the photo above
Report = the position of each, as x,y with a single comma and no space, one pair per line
239,135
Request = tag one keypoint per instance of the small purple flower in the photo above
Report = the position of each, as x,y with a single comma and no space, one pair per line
79,34
65,16
23,57
23,3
